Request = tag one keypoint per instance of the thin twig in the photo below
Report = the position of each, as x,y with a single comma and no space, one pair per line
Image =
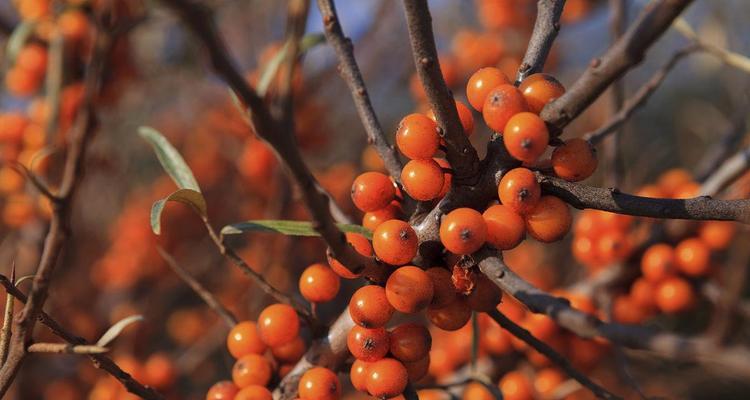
556,358
730,170
204,294
351,74
66,348
7,332
461,154
545,31
724,318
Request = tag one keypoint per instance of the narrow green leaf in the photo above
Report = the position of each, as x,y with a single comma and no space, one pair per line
170,159
289,228
269,72
18,39
185,196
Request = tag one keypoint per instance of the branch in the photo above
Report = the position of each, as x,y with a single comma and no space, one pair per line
351,74
200,20
6,333
543,348
639,98
66,348
99,360
461,154
614,63
730,170
204,294
666,345
546,27
698,208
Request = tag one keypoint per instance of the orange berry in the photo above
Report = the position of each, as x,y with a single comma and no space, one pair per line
372,191
33,58
625,310
485,296
252,369
358,375
584,250
422,179
693,257
361,245
12,127
481,83
612,246
319,284
550,219
417,137
717,235
410,342
687,191
319,383
526,136
671,180
451,317
652,191
243,339
74,25
417,370
547,380
516,386
674,295
254,392
290,352
373,219
477,391
278,324
409,289
464,115
539,89
369,307
575,160
496,341
643,292
368,344
160,371
519,190
21,82
541,326
505,228
395,242
442,285
34,9
222,390
463,231
386,378
658,262
502,103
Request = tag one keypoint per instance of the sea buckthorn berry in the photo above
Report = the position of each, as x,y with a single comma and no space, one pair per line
463,231
319,383
278,324
222,390
358,374
549,221
612,245
584,250
526,136
625,310
481,83
361,245
417,137
693,257
519,190
12,126
485,296
477,391
386,378
290,352
395,242
372,191
417,370
422,179
501,104
373,219
33,58
687,191
575,160
369,307
252,369
243,339
254,392
410,342
539,89
674,295
319,284
464,115
516,386
717,235
21,82
505,228
671,180
442,285
658,262
447,176
643,293
547,380
451,317
409,289
159,371
368,344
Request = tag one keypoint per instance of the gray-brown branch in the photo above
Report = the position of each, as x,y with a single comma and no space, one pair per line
545,31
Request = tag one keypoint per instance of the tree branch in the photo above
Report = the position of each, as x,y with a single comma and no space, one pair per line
545,31
698,208
614,63
730,170
66,348
351,74
461,154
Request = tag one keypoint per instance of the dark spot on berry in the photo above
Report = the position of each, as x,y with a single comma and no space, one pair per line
465,234
526,143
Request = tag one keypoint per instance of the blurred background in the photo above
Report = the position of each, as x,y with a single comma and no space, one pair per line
159,77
